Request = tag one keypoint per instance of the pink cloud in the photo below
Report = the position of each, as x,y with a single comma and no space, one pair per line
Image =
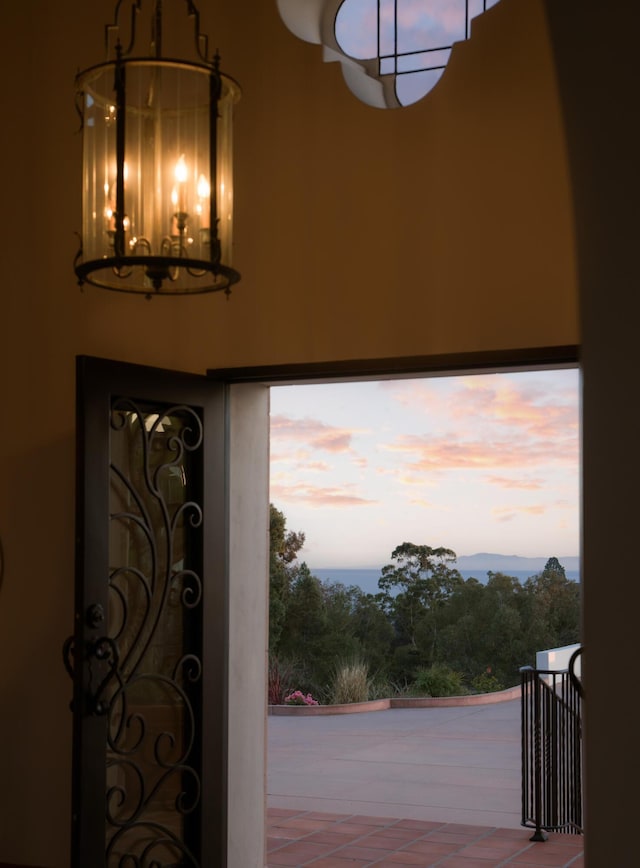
319,466
407,479
428,504
311,432
520,407
452,453
507,482
315,496
295,465
508,513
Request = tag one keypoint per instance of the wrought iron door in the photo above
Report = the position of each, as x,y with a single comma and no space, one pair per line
148,652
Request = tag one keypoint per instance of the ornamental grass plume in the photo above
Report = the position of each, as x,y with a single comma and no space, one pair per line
351,682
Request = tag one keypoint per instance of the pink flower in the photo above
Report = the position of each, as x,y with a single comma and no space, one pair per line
298,698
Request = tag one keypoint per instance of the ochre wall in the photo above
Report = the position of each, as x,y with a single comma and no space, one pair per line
442,228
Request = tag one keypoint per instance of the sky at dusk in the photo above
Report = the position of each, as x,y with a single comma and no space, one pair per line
411,37
411,25
474,463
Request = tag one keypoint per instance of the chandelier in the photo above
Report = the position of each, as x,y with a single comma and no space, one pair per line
157,199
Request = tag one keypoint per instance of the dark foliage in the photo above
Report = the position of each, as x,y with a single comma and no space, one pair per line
426,619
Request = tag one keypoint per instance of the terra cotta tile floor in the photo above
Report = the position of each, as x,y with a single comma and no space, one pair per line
324,840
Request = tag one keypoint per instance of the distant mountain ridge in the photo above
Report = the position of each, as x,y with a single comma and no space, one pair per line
503,563
486,561
470,566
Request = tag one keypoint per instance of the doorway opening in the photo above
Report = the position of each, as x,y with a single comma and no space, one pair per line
478,473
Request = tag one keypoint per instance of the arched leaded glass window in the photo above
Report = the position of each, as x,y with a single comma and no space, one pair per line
392,52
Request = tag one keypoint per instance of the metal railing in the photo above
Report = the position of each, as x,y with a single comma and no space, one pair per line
552,750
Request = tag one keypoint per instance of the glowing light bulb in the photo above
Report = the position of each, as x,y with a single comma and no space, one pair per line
204,188
180,173
204,192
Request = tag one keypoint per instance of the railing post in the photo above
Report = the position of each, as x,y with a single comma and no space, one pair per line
538,835
551,751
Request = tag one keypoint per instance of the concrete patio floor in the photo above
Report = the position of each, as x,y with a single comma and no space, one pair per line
446,765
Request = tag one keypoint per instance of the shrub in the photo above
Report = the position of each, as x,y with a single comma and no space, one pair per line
486,683
405,660
282,677
350,682
438,680
380,687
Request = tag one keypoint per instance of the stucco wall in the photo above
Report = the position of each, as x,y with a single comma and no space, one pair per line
442,228
596,48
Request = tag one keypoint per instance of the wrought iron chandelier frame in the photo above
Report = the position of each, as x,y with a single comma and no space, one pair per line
187,255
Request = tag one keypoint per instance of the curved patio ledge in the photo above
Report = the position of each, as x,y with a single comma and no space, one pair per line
398,702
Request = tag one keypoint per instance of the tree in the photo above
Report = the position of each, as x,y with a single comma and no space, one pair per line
414,590
317,631
465,623
339,641
503,648
305,620
555,606
553,566
424,614
284,546
372,628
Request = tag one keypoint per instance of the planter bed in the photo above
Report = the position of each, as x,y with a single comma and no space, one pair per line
398,702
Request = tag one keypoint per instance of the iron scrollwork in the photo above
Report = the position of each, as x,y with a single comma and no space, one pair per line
94,700
142,668
151,664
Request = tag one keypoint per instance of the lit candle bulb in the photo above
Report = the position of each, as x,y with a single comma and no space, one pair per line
180,174
204,192
109,207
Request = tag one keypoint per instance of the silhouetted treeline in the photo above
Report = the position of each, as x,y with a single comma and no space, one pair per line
427,625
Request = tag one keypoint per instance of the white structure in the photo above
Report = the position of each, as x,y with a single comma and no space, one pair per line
557,659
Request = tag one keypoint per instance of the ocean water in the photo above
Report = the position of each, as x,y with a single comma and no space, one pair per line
368,579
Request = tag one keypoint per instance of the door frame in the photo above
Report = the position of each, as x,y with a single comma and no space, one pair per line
249,499
449,364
